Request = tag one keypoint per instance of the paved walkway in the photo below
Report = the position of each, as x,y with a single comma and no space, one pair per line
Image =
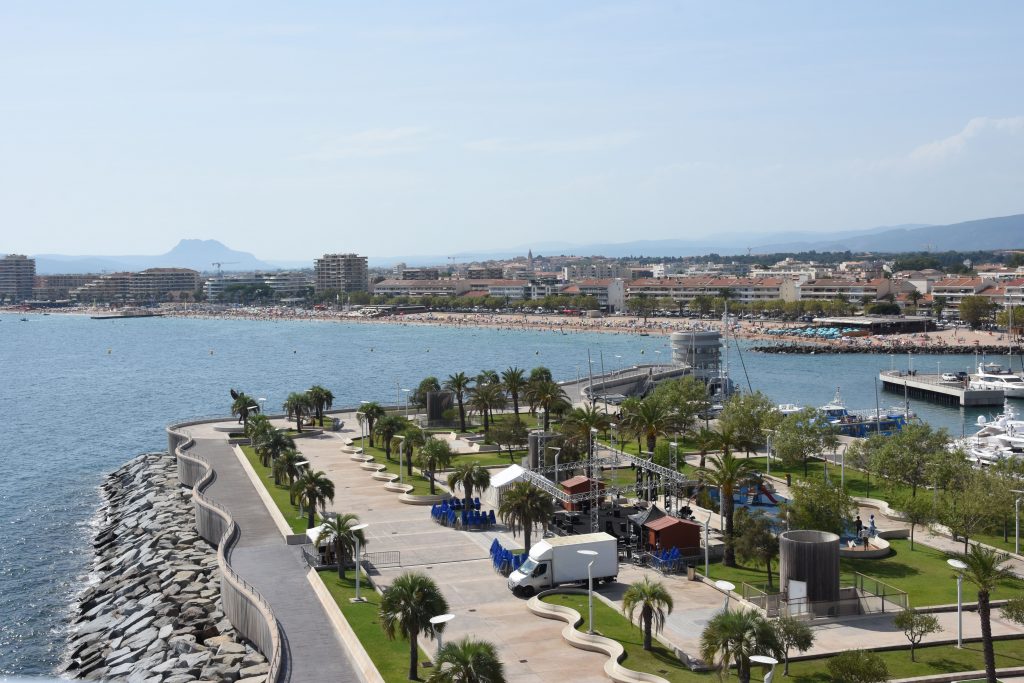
314,652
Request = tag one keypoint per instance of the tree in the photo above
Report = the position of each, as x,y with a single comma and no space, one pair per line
314,490
915,296
820,505
522,506
975,310
705,440
548,396
338,532
426,386
968,510
370,413
322,399
406,608
733,636
939,304
387,427
748,416
687,397
884,308
471,477
272,444
906,457
651,419
725,472
297,406
242,406
792,634
513,379
286,466
799,436
509,435
857,666
654,603
916,512
915,626
435,454
986,569
459,384
755,541
467,661
485,398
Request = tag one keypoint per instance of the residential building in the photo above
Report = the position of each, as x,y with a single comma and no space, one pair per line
418,288
341,272
158,284
295,283
954,289
686,289
17,276
847,290
214,287
484,272
57,287
609,292
420,274
107,288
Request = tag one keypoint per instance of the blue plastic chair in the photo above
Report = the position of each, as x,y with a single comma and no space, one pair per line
490,518
476,503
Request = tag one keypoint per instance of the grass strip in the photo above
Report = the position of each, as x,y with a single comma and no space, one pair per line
278,493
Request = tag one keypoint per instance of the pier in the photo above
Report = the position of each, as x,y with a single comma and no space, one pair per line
932,388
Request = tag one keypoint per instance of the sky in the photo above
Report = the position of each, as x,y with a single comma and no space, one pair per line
384,128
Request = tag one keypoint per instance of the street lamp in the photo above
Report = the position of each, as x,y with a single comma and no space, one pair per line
363,427
959,567
726,587
438,623
262,400
406,392
707,534
357,528
766,661
558,451
614,449
590,589
590,463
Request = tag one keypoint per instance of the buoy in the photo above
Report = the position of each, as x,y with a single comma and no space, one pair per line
109,351
211,352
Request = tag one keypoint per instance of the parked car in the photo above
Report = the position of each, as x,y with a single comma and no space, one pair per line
949,377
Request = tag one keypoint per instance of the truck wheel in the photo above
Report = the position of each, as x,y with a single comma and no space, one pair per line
528,591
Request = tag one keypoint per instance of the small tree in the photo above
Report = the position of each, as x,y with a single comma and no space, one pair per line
509,434
916,511
858,666
653,602
915,626
820,505
754,540
792,634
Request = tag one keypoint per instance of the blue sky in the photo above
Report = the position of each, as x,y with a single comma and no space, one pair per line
290,129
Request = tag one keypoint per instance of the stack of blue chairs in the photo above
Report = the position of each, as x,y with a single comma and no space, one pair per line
448,512
503,560
666,560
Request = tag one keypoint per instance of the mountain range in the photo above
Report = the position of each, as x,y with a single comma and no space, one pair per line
1005,232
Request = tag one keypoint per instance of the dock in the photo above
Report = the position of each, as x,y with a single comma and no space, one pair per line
932,388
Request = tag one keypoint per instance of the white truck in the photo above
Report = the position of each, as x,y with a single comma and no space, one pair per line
554,561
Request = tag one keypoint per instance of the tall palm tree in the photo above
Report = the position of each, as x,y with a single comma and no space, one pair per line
468,661
627,422
652,419
654,603
435,454
387,427
414,440
242,406
322,400
286,466
578,425
406,608
705,440
471,477
272,445
484,399
488,377
314,490
459,384
726,470
370,413
986,569
733,636
338,532
522,506
297,406
514,381
549,396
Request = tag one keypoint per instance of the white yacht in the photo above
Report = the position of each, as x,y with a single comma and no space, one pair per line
996,439
995,376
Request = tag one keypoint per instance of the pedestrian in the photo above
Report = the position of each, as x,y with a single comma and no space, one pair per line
864,537
872,529
858,525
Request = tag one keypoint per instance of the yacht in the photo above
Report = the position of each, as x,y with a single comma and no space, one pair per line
996,439
995,376
860,423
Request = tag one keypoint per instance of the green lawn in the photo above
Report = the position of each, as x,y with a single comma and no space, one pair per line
490,459
922,573
279,494
857,482
630,446
391,657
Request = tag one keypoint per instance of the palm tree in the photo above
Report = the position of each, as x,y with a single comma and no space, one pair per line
272,445
371,412
726,471
514,381
484,399
915,297
468,661
435,454
242,406
406,608
338,531
471,477
550,396
733,636
314,489
986,569
654,603
257,423
297,405
458,384
387,427
579,424
524,505
706,440
652,419
488,377
286,466
414,439
322,400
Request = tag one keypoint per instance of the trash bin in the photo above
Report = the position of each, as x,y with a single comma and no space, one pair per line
789,479
691,572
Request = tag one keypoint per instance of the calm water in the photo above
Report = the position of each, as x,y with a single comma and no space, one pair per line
79,397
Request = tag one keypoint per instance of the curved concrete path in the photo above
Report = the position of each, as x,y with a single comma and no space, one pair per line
314,652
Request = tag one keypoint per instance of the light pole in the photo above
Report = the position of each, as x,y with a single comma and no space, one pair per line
842,467
768,455
558,452
726,587
1016,522
590,589
614,449
438,623
262,400
766,661
406,392
959,567
707,534
357,528
401,452
590,462
363,427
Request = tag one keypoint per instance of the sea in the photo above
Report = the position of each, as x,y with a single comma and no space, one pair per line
79,397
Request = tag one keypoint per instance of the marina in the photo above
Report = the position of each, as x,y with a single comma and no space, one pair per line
933,388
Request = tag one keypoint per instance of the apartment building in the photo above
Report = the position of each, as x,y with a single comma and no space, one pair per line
418,288
956,288
57,287
848,290
341,272
158,284
686,289
107,288
17,277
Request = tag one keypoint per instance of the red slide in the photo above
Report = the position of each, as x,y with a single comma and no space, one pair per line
766,494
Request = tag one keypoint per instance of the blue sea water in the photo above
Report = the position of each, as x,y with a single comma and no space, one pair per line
79,397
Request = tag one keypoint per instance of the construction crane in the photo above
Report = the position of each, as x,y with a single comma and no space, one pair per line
222,263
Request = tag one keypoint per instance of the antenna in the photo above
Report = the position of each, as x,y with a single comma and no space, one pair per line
222,263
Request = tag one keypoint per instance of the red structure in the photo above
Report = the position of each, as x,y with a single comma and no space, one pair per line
579,484
666,533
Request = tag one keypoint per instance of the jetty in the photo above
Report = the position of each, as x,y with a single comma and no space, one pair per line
933,388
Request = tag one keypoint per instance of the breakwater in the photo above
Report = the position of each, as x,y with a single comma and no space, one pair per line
931,350
154,612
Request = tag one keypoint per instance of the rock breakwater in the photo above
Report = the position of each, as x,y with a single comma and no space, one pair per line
154,612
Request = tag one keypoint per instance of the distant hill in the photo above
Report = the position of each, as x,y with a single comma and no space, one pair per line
196,254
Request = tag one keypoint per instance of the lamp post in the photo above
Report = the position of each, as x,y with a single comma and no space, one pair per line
959,567
766,661
590,461
842,467
1016,522
262,400
614,449
768,456
558,451
401,452
406,392
590,589
438,624
363,427
357,528
707,534
726,587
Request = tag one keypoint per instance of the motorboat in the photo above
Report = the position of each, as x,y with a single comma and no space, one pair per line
997,439
859,423
995,376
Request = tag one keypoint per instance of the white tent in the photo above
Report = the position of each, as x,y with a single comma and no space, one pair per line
313,533
509,475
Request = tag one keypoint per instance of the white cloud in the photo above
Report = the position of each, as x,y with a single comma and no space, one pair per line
375,142
591,143
957,144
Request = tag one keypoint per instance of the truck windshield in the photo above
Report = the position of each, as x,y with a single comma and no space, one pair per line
528,566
